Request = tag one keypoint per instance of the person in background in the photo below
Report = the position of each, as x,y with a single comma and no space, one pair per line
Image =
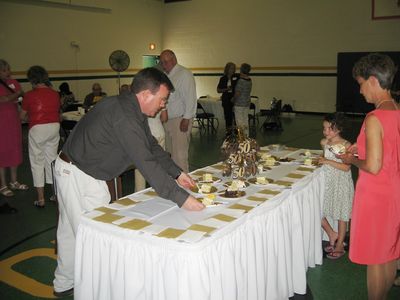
182,105
41,107
226,86
339,188
10,131
66,96
101,147
124,89
95,96
375,222
241,99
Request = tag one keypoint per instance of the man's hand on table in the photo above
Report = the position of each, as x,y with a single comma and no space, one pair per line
184,126
192,203
186,181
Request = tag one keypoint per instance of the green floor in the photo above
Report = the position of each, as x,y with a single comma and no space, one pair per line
27,237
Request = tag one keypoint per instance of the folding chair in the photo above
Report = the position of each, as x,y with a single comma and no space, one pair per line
253,118
273,116
204,119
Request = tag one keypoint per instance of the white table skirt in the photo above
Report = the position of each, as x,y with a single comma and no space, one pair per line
263,255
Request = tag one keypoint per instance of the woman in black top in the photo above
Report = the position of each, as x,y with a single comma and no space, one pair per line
66,96
226,86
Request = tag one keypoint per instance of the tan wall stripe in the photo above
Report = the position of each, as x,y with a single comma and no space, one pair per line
219,69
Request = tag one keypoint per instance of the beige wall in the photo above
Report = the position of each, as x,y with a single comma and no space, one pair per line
273,36
272,33
32,34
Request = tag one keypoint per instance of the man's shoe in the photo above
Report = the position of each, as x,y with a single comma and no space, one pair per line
66,293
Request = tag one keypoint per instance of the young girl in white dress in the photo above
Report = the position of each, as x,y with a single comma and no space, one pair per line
339,188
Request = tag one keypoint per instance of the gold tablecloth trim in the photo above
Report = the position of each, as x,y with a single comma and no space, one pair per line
240,206
269,192
305,169
135,224
202,228
200,173
255,198
107,218
224,218
171,233
151,193
106,210
294,175
126,202
283,182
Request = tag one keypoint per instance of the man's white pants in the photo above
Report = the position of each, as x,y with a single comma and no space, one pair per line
77,193
177,142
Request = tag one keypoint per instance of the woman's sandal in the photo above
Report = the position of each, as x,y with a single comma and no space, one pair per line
329,248
336,254
39,203
18,186
5,191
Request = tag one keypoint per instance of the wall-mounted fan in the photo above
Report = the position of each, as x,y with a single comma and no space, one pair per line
119,62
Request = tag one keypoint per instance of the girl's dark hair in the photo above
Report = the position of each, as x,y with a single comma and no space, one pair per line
337,121
38,74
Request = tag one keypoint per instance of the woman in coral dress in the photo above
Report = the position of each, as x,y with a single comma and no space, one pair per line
10,131
375,228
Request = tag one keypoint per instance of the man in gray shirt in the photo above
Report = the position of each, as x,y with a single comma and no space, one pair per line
112,136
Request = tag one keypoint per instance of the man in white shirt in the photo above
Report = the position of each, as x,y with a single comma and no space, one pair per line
182,105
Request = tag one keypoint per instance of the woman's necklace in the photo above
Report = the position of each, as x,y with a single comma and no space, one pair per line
383,101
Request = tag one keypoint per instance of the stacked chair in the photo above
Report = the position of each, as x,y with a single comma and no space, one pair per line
273,116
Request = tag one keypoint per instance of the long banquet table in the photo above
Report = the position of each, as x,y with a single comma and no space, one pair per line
256,247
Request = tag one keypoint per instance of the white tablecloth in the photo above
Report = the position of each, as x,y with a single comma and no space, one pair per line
72,115
264,254
214,105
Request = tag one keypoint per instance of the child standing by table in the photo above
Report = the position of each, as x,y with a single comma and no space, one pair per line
339,188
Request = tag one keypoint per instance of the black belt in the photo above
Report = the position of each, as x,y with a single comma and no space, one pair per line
64,157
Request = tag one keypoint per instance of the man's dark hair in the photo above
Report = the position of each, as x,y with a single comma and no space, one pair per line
150,79
378,65
38,74
245,69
